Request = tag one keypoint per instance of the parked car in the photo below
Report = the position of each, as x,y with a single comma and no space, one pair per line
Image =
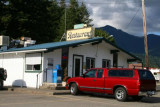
3,77
120,82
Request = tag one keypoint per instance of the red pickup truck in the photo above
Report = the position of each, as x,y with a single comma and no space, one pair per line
120,82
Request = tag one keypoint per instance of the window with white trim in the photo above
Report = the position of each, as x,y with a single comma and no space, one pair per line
90,63
106,63
33,62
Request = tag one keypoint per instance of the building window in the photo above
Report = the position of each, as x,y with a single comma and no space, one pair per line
106,63
33,62
33,67
90,63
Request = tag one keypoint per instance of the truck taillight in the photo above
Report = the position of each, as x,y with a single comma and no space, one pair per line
138,83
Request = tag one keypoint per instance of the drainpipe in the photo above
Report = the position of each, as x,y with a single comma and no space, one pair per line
23,70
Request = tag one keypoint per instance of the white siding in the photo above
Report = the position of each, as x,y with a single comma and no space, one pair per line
56,55
122,60
31,79
15,66
98,52
13,63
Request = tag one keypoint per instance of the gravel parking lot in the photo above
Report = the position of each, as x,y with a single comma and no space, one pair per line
13,99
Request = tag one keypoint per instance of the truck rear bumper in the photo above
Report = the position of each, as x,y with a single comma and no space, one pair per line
147,93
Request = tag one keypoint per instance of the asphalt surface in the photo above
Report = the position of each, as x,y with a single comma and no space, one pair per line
14,99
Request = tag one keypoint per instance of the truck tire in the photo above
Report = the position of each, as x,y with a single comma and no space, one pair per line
1,84
74,89
121,94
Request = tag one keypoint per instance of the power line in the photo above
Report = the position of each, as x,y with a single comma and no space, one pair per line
133,17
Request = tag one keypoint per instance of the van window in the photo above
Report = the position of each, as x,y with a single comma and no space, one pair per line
121,73
145,75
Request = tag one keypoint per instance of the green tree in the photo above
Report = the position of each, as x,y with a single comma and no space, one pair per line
4,17
54,20
84,15
72,14
27,18
101,33
61,25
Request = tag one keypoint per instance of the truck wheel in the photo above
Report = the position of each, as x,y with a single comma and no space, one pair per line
74,89
1,84
120,94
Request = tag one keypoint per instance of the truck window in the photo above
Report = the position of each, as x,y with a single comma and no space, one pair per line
121,73
145,75
100,73
91,73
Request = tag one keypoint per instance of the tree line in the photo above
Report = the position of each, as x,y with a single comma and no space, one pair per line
42,20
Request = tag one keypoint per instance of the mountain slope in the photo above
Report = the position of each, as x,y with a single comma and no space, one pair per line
134,44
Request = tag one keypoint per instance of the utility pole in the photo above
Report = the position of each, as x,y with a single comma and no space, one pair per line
145,35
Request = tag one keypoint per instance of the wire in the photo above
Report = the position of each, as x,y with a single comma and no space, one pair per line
133,18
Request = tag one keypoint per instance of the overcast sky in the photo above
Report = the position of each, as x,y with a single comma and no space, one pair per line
125,15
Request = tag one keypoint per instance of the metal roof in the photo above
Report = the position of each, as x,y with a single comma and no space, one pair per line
57,45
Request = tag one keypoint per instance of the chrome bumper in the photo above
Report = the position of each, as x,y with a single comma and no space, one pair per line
147,93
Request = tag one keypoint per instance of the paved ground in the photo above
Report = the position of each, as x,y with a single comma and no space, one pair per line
13,99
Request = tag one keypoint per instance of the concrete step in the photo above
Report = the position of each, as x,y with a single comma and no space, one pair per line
60,88
52,86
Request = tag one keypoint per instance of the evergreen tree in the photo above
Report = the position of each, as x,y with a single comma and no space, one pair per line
72,14
54,12
61,25
84,15
4,17
101,33
26,18
62,4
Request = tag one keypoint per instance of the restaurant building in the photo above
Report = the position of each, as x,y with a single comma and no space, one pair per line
35,65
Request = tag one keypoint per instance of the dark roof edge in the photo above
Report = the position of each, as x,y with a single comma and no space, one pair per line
82,42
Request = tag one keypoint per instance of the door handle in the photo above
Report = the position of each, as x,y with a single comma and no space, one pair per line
94,80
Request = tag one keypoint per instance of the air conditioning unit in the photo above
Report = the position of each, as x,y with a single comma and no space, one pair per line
4,40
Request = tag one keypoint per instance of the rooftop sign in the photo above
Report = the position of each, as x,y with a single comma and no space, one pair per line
79,26
77,34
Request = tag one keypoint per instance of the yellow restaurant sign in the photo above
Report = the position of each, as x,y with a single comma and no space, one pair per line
77,34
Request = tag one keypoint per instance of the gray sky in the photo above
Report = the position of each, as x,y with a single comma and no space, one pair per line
125,15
